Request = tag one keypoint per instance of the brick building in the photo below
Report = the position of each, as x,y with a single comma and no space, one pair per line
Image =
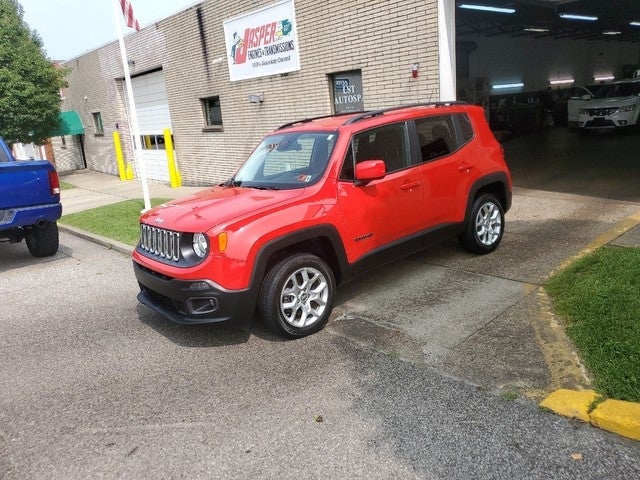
353,54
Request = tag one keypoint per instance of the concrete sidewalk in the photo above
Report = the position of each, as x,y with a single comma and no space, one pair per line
95,189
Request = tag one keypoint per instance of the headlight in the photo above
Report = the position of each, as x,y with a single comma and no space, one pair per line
200,244
583,111
628,108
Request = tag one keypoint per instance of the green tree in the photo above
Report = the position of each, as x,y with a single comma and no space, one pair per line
29,83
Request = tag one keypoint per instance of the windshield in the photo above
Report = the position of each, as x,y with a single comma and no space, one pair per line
619,90
286,161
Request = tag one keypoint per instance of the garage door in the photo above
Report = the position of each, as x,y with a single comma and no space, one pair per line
152,106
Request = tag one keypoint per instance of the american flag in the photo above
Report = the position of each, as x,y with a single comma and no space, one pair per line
127,11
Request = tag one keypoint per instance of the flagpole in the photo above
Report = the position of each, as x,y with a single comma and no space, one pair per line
133,120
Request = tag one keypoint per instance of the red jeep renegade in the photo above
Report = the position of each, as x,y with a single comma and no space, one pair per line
318,201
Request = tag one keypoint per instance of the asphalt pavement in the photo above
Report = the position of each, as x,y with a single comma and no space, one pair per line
431,368
446,309
94,385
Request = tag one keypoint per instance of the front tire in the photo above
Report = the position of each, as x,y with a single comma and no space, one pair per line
485,225
297,295
43,241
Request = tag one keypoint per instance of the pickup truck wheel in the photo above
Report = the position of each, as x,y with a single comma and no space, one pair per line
42,241
485,225
297,295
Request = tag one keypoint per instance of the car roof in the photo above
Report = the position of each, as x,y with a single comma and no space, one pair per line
373,117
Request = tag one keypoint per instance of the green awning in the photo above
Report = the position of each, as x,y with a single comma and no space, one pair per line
70,124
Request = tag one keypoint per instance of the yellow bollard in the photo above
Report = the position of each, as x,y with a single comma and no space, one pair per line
129,172
119,157
174,175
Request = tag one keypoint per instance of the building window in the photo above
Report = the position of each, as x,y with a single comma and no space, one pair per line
153,142
97,122
212,113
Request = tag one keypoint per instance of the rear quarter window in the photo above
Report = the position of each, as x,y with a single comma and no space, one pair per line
442,135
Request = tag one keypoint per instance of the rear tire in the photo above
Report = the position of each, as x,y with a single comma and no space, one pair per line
297,295
43,241
485,225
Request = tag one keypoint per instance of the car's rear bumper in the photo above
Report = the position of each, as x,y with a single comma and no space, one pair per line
27,216
192,301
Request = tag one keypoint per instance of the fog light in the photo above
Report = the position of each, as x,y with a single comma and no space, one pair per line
622,122
200,306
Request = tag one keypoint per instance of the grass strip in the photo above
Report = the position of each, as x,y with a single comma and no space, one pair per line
599,297
118,221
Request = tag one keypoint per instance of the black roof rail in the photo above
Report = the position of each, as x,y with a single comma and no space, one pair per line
375,113
306,120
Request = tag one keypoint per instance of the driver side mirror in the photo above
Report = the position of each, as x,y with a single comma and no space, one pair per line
587,97
369,170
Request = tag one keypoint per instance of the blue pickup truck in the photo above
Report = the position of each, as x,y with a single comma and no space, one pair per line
29,203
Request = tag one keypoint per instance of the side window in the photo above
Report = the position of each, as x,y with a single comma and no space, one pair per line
97,123
466,129
153,142
437,136
387,143
212,113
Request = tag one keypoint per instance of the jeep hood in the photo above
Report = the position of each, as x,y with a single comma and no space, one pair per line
610,102
203,210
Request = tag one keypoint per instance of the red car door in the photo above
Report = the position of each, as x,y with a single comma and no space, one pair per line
388,209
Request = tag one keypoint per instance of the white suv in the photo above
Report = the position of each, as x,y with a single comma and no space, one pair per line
614,106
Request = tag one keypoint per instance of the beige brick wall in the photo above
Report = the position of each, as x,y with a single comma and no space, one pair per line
380,37
68,155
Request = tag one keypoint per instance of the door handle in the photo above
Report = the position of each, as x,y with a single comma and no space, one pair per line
465,167
409,185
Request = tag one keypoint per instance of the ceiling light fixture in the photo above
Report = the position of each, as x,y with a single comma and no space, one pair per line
486,8
501,86
573,16
564,81
604,78
536,29
634,24
612,32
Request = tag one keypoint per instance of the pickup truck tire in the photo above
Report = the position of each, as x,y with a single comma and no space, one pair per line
297,295
485,225
43,241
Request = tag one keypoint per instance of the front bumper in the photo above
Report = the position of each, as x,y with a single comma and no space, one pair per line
619,120
193,301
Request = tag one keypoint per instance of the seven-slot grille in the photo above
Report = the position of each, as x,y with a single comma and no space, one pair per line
160,242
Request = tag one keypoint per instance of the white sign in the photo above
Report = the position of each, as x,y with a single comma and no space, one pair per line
263,42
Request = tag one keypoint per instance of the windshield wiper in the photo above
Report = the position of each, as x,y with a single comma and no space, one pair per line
264,187
232,182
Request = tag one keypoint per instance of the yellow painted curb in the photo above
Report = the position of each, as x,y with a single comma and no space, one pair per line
619,417
571,403
622,418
